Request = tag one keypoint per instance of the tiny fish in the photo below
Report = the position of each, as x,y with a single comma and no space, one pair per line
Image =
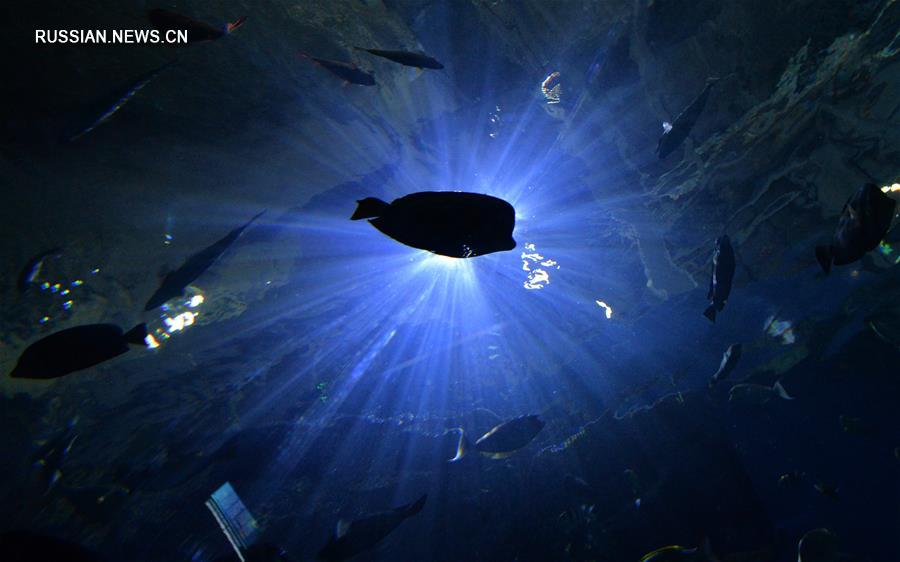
674,134
197,31
729,361
757,394
32,269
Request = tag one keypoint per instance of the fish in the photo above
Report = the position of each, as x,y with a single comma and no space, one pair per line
790,479
116,100
197,31
865,220
678,130
363,534
723,265
49,458
175,282
346,71
32,269
729,361
27,546
406,58
501,441
830,491
577,487
675,552
757,394
75,349
636,487
448,223
855,426
818,545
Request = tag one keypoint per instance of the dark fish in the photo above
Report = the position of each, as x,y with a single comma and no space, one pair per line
405,58
449,223
578,488
32,269
865,220
722,275
74,349
830,491
790,479
197,31
25,546
49,459
681,127
174,284
729,361
348,72
363,534
109,105
818,545
503,440
750,394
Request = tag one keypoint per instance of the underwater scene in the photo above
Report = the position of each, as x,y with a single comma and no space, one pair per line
450,280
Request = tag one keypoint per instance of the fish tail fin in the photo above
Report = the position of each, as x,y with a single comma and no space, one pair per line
823,254
782,393
416,506
136,335
462,447
710,313
235,24
369,208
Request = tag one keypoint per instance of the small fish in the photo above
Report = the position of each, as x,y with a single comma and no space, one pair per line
864,222
32,269
552,92
175,282
818,545
830,491
855,426
449,223
578,488
729,361
406,58
790,479
109,105
75,349
49,459
670,552
675,134
348,72
757,394
24,546
503,440
363,534
723,265
197,31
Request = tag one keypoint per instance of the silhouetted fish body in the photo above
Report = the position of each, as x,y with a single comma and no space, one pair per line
729,361
449,223
174,283
684,123
406,58
864,222
364,534
25,546
346,71
722,275
32,269
74,349
197,31
503,440
103,110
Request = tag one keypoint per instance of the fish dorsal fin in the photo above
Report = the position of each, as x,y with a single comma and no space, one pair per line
342,528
